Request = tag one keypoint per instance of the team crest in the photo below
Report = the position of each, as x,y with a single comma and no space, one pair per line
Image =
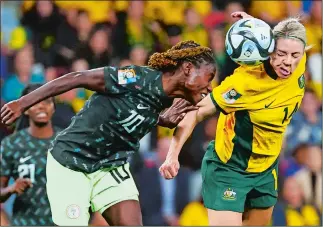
126,76
301,81
231,96
229,194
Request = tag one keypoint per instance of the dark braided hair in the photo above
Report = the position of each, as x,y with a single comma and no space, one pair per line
23,121
183,51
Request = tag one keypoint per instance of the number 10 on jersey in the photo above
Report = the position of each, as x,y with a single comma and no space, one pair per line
131,122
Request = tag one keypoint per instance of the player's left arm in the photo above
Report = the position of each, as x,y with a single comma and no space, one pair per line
170,167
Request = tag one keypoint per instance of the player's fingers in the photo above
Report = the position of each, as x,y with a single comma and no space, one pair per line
4,111
173,171
183,104
168,175
6,119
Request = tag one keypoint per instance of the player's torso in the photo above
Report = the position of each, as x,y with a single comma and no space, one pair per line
29,157
108,128
258,131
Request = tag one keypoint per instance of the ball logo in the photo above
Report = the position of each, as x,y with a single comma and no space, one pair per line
73,211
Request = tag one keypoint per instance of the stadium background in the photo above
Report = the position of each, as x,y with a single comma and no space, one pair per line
40,42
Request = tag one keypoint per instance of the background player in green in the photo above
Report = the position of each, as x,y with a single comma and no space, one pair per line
23,157
88,162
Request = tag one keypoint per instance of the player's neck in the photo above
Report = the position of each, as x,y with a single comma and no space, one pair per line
44,132
171,85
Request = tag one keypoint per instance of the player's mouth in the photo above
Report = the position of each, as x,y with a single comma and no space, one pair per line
42,115
284,72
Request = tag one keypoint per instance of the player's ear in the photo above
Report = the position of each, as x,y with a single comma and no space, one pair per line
26,112
186,67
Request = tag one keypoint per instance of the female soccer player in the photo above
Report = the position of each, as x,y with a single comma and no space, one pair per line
239,170
87,163
23,157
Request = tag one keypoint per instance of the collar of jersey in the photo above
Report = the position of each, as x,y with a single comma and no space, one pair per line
270,70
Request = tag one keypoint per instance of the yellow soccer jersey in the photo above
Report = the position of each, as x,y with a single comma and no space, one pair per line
256,107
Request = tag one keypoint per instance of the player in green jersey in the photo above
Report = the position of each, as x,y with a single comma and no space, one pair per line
23,157
87,163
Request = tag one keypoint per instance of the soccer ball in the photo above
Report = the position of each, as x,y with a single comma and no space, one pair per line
249,41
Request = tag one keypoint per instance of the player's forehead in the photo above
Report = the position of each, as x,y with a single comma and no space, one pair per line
289,45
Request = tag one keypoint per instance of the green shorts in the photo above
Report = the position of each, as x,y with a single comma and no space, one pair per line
228,189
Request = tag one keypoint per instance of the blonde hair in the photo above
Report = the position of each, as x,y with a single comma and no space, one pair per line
183,51
291,28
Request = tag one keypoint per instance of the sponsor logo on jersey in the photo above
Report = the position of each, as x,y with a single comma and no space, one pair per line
73,211
229,194
231,96
126,76
301,81
22,160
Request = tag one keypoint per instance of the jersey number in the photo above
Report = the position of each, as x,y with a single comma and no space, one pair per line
286,117
117,175
131,122
27,170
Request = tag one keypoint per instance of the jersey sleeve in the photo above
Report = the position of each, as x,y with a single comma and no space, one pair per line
120,80
231,95
6,153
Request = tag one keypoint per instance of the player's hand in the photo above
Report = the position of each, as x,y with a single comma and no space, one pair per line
174,114
20,185
169,169
10,112
240,15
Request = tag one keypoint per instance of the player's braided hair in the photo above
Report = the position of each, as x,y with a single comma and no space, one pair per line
183,51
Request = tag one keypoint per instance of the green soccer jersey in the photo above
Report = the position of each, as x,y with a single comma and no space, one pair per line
109,127
24,156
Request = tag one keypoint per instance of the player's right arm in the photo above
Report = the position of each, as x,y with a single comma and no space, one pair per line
89,79
183,131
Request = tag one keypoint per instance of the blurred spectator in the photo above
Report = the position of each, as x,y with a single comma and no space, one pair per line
194,29
229,65
133,28
50,74
306,124
138,55
294,211
174,33
314,38
125,62
310,178
84,26
15,83
217,40
271,15
43,20
97,51
163,200
9,20
67,38
194,214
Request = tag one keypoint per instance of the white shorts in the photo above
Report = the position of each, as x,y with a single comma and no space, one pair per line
71,193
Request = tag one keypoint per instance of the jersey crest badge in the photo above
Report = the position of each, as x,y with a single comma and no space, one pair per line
229,194
126,76
231,96
301,81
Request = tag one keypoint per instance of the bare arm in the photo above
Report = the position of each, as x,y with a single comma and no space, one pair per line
183,131
90,79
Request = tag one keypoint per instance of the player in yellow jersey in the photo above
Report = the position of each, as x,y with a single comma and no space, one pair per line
239,169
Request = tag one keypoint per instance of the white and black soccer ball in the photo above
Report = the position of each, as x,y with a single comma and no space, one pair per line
249,41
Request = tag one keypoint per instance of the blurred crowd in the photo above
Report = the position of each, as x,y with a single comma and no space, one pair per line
43,40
